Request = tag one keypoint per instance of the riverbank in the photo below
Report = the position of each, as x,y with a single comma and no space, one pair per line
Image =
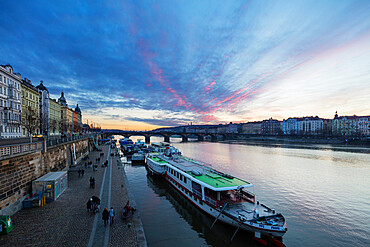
287,140
66,222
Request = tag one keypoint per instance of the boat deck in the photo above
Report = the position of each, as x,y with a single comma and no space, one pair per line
208,175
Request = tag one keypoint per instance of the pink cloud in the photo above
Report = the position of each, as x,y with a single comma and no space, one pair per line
208,118
208,88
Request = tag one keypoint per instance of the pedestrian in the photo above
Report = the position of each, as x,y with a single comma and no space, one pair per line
92,181
88,205
82,172
105,216
79,172
85,165
111,215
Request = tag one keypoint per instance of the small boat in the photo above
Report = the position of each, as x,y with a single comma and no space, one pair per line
220,195
127,146
138,158
140,144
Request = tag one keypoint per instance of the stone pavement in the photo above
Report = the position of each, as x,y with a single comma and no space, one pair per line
66,222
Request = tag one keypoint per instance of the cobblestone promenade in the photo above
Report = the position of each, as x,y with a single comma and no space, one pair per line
66,222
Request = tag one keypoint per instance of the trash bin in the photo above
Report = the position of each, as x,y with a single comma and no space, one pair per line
6,224
27,203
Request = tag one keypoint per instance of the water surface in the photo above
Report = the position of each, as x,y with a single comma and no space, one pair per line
323,192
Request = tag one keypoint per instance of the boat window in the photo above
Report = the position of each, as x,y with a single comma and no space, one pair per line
210,193
225,195
184,179
196,186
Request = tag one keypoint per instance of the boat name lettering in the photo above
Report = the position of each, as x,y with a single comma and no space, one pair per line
261,226
275,228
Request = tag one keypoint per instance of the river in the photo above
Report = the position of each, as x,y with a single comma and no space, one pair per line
323,192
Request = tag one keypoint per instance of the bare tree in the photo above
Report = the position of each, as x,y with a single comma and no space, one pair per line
31,120
55,125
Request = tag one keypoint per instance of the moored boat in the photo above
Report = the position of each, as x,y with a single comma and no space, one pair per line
127,146
222,196
138,158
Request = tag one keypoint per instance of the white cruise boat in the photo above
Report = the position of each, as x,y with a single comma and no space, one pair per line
220,195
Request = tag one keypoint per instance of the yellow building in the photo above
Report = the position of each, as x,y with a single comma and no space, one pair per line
55,117
30,108
69,120
77,120
66,119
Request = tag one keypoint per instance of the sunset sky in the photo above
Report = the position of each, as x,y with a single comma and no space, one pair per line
147,64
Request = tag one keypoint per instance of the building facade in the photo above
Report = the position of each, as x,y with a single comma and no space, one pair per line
344,125
69,120
363,126
77,120
271,127
310,126
44,108
253,128
55,117
10,103
30,108
66,115
327,127
290,126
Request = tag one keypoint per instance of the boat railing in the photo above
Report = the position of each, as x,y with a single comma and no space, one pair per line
201,163
211,201
197,193
248,195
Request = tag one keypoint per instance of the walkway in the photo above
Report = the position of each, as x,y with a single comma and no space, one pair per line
66,221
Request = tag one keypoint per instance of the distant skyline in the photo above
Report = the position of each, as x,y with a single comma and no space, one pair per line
149,64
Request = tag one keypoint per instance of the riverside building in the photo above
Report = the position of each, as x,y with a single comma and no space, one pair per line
30,108
44,108
271,127
77,119
310,126
290,126
10,102
55,117
66,115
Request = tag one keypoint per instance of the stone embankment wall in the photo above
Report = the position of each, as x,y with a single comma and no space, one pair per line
18,171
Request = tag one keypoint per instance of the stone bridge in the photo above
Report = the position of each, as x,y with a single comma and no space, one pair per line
166,134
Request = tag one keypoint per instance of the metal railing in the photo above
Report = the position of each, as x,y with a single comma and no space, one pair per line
210,200
60,140
197,193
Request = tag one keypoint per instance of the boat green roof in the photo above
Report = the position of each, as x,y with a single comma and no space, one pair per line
156,159
218,181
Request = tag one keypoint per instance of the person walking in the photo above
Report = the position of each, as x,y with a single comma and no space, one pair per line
105,216
82,172
111,215
92,182
88,205
79,172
